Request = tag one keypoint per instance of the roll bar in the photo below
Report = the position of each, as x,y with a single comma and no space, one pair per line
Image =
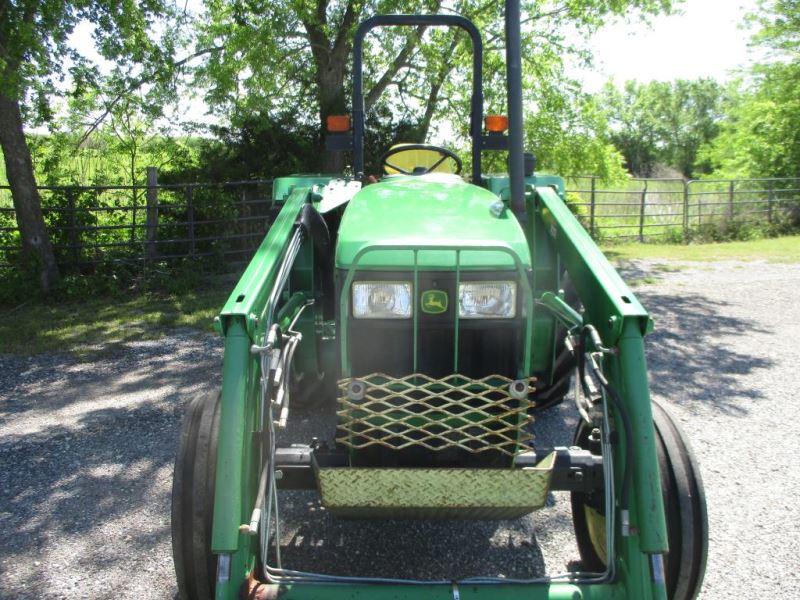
476,104
516,160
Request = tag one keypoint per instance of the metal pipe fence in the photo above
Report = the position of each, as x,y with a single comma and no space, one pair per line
649,209
223,223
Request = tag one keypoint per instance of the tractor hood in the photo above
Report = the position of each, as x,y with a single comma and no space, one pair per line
420,210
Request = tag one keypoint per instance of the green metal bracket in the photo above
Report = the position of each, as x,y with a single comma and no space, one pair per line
561,310
249,297
289,310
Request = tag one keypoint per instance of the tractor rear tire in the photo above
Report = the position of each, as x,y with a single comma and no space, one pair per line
193,498
684,503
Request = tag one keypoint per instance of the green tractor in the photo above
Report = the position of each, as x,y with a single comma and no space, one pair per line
431,312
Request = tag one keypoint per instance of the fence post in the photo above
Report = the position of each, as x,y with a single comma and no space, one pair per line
133,218
685,209
730,200
770,200
73,229
190,217
592,205
152,212
700,211
641,212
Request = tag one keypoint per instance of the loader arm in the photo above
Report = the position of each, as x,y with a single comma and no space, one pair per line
622,323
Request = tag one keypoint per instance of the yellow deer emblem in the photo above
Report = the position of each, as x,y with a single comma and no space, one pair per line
434,301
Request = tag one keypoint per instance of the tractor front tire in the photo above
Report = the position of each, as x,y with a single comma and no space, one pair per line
193,498
684,504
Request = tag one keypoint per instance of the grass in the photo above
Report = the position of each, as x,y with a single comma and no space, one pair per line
781,249
100,324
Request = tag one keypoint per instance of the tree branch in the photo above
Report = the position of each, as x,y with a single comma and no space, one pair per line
135,84
535,17
436,86
398,63
341,43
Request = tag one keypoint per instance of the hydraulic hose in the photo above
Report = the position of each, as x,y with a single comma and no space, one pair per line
589,331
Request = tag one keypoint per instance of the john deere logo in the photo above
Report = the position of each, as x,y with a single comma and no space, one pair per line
434,302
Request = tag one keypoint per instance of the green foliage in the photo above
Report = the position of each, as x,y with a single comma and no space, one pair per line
761,137
577,206
779,22
569,136
105,159
664,123
34,49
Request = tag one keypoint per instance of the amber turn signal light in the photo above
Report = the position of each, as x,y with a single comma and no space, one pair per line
496,123
338,123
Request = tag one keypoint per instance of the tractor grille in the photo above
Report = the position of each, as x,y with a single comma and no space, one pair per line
418,412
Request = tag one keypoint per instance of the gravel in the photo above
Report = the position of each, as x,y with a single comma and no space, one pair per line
87,445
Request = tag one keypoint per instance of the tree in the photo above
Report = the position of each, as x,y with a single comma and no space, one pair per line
664,123
569,134
279,54
761,136
35,55
297,54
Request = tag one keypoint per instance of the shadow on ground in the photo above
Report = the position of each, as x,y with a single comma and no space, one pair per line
86,458
689,360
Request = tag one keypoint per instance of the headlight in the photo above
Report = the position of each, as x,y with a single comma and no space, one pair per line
487,300
381,300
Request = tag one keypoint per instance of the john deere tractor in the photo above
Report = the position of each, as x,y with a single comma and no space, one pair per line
438,313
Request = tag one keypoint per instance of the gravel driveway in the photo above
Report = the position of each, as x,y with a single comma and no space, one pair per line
86,451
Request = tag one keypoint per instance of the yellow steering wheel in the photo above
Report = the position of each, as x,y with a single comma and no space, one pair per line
420,159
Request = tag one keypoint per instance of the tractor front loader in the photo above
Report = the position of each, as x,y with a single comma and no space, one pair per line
438,314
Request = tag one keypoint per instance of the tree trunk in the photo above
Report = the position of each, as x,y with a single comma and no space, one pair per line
36,246
330,83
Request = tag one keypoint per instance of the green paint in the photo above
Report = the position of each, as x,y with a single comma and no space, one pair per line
544,591
612,301
249,298
283,187
441,222
613,308
238,461
434,302
232,438
568,316
433,209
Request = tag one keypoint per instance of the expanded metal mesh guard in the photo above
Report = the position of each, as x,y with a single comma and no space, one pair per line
476,415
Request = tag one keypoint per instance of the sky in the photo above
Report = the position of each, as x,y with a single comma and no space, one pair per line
704,40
